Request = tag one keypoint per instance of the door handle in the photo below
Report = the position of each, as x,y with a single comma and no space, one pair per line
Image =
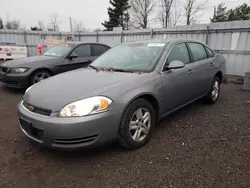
190,71
211,64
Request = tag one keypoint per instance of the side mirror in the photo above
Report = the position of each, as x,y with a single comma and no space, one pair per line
73,56
176,64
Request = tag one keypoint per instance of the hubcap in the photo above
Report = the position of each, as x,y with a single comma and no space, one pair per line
216,89
40,76
140,124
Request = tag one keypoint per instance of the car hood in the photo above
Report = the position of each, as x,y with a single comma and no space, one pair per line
28,62
58,91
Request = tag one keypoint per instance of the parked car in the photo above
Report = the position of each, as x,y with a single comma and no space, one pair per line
22,73
128,89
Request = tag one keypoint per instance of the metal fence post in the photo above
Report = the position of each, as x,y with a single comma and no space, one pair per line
97,36
25,41
121,36
152,34
207,34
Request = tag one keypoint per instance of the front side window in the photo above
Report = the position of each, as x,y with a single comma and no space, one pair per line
198,51
59,50
131,57
179,52
82,51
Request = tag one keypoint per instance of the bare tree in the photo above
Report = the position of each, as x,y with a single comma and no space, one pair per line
191,8
175,13
41,25
97,30
165,10
78,26
13,24
54,22
141,11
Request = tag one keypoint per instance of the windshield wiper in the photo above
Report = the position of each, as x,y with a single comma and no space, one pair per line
93,67
111,69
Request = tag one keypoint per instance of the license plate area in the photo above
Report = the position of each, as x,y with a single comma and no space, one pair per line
30,130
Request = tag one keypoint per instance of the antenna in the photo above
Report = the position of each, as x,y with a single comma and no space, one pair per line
71,28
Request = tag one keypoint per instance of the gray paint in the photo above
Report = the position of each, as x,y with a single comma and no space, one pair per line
172,89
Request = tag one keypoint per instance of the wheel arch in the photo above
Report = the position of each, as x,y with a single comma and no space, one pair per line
40,69
151,99
219,75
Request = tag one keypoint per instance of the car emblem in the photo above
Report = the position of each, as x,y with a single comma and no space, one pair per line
31,108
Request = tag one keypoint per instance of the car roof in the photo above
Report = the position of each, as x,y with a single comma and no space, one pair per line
170,40
81,42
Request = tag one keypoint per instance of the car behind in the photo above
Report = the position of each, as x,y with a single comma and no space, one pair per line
22,73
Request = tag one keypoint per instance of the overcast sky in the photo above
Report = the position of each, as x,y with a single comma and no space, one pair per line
91,12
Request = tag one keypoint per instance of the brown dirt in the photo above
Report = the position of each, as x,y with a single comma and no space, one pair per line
199,146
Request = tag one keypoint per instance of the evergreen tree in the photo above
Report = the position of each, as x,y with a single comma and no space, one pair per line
242,12
220,13
117,14
1,23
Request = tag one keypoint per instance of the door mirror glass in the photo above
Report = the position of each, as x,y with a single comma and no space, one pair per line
176,64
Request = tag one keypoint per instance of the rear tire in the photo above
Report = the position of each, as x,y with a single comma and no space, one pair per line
214,91
39,76
137,124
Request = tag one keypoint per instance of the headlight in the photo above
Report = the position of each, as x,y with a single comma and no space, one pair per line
18,70
85,107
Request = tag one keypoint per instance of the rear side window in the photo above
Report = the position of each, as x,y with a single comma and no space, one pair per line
210,53
98,50
198,51
179,52
82,51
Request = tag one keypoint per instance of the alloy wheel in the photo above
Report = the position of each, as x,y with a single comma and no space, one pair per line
140,124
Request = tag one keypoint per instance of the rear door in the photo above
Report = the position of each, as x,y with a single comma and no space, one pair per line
202,67
98,49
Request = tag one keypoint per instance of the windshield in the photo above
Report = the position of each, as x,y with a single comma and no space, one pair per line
137,57
59,50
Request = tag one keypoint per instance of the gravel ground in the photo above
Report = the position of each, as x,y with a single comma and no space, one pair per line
199,146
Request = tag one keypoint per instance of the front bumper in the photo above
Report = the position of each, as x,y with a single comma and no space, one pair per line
15,80
69,133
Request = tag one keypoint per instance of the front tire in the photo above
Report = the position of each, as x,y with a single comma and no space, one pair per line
214,92
137,124
39,76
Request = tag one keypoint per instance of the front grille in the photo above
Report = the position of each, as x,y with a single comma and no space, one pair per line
76,140
30,130
4,69
37,110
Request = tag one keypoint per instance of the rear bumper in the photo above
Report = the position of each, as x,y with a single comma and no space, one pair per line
15,80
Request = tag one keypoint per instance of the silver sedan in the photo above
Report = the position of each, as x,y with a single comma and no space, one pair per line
122,95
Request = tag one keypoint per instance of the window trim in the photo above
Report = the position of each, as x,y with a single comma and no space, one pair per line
193,61
207,48
166,59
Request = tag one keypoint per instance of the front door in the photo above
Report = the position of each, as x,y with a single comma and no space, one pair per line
177,84
82,58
